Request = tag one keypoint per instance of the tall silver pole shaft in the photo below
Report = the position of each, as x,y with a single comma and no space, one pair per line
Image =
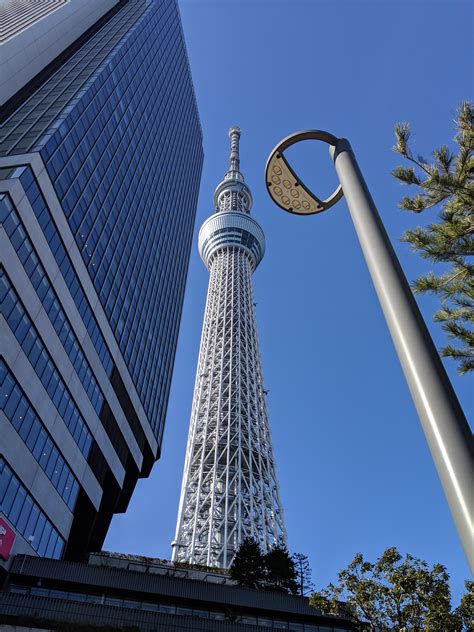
444,424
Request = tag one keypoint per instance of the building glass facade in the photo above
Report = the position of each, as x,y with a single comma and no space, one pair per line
99,177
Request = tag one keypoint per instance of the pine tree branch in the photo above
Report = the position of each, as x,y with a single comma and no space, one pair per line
448,182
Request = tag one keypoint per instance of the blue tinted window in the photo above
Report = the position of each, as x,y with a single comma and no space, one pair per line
43,366
52,307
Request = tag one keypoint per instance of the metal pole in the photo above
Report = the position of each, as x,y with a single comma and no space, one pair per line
443,421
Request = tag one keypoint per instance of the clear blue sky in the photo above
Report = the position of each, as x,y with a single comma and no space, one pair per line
354,468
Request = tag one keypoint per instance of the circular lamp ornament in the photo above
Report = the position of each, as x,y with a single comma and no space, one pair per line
284,186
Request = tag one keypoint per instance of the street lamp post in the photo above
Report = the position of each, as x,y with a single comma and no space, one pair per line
445,426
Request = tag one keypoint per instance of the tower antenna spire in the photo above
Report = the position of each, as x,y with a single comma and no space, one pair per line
232,193
234,160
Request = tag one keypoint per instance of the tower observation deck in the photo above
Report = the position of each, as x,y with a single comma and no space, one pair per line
230,489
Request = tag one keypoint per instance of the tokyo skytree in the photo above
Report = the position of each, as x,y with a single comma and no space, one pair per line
230,489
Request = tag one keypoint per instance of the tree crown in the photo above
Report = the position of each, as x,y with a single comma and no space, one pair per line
395,593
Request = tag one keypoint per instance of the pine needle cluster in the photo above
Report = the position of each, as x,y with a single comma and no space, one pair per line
447,182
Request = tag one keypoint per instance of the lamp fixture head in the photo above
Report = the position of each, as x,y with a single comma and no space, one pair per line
284,186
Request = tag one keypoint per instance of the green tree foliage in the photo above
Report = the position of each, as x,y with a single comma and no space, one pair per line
248,567
280,572
464,613
446,182
303,574
273,571
395,594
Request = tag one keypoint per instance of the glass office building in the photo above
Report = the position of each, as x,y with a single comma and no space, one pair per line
100,163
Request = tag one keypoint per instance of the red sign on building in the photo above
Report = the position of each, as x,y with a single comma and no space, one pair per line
7,537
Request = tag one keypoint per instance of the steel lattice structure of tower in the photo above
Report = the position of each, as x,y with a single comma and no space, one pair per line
230,489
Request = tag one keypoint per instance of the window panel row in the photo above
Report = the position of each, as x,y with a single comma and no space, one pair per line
33,267
271,623
45,220
34,349
26,517
26,422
